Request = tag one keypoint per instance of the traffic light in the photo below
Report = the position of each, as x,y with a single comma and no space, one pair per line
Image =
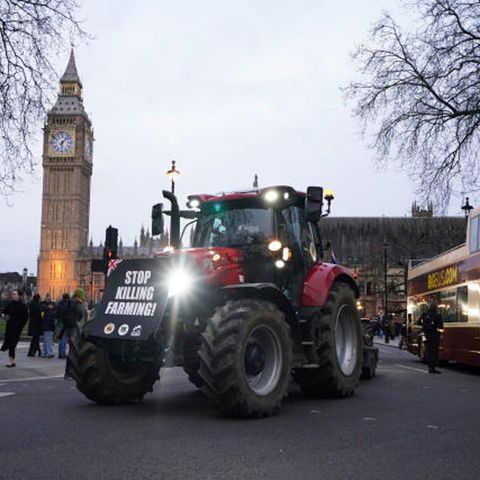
157,219
111,246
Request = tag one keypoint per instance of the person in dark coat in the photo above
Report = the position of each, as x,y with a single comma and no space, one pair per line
79,318
35,325
17,313
432,324
48,327
63,308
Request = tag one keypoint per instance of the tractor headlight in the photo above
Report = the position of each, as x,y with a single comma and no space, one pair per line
179,281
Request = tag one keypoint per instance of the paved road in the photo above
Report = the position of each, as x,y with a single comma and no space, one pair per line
403,424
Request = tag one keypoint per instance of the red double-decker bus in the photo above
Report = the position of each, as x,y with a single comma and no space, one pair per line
452,279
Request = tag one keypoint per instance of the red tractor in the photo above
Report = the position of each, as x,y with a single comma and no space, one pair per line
246,308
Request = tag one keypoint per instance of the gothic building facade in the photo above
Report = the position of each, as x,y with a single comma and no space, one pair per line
364,243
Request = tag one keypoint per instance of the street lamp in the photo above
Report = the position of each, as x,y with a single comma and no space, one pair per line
467,209
173,174
385,275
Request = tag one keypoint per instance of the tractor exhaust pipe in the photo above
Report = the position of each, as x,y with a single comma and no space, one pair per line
175,219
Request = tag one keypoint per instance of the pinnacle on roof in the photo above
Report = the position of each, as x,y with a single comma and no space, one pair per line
71,73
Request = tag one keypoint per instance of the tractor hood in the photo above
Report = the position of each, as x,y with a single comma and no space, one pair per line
137,291
218,265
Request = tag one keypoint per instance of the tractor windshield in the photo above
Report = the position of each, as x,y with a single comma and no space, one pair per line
230,224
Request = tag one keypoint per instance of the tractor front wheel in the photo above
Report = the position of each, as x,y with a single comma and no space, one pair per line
246,357
106,379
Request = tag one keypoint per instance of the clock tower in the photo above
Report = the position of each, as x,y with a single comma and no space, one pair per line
67,171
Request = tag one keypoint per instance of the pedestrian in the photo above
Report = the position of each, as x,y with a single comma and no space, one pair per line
74,319
63,308
35,325
48,327
432,323
46,301
386,327
17,313
402,344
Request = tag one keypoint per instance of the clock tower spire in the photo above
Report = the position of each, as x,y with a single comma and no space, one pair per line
67,171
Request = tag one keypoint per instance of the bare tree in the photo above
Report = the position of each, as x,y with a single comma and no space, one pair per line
418,94
31,33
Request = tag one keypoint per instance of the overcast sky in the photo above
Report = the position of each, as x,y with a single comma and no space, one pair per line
227,89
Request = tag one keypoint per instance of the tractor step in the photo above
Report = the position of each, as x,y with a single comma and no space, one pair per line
308,343
310,365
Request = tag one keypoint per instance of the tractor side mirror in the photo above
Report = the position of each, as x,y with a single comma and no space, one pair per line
314,204
157,219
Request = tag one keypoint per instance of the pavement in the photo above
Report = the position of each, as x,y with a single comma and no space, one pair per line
30,368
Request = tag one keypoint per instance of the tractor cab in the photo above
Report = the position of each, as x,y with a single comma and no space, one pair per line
274,231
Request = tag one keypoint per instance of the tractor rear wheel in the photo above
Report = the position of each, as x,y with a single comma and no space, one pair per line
246,358
106,379
339,352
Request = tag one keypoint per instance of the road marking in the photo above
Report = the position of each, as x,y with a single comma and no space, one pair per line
6,394
29,379
432,427
369,419
410,368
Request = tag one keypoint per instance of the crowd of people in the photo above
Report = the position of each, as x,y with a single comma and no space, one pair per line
48,322
388,327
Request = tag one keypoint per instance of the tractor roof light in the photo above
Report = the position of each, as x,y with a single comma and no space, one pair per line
279,194
194,202
271,196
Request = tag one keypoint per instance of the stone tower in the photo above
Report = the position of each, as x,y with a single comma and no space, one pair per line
67,170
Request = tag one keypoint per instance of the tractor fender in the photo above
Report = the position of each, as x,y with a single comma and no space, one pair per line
271,293
319,281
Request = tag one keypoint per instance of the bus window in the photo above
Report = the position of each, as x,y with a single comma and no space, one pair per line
462,303
419,307
474,234
447,305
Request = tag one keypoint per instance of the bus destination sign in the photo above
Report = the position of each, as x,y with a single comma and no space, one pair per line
442,278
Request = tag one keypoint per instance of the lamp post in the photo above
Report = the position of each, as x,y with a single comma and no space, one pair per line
173,174
385,279
467,208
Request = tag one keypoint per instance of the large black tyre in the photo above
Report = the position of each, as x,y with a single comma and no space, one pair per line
246,358
339,352
105,380
191,359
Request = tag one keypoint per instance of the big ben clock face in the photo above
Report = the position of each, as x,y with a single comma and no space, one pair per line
88,148
61,142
